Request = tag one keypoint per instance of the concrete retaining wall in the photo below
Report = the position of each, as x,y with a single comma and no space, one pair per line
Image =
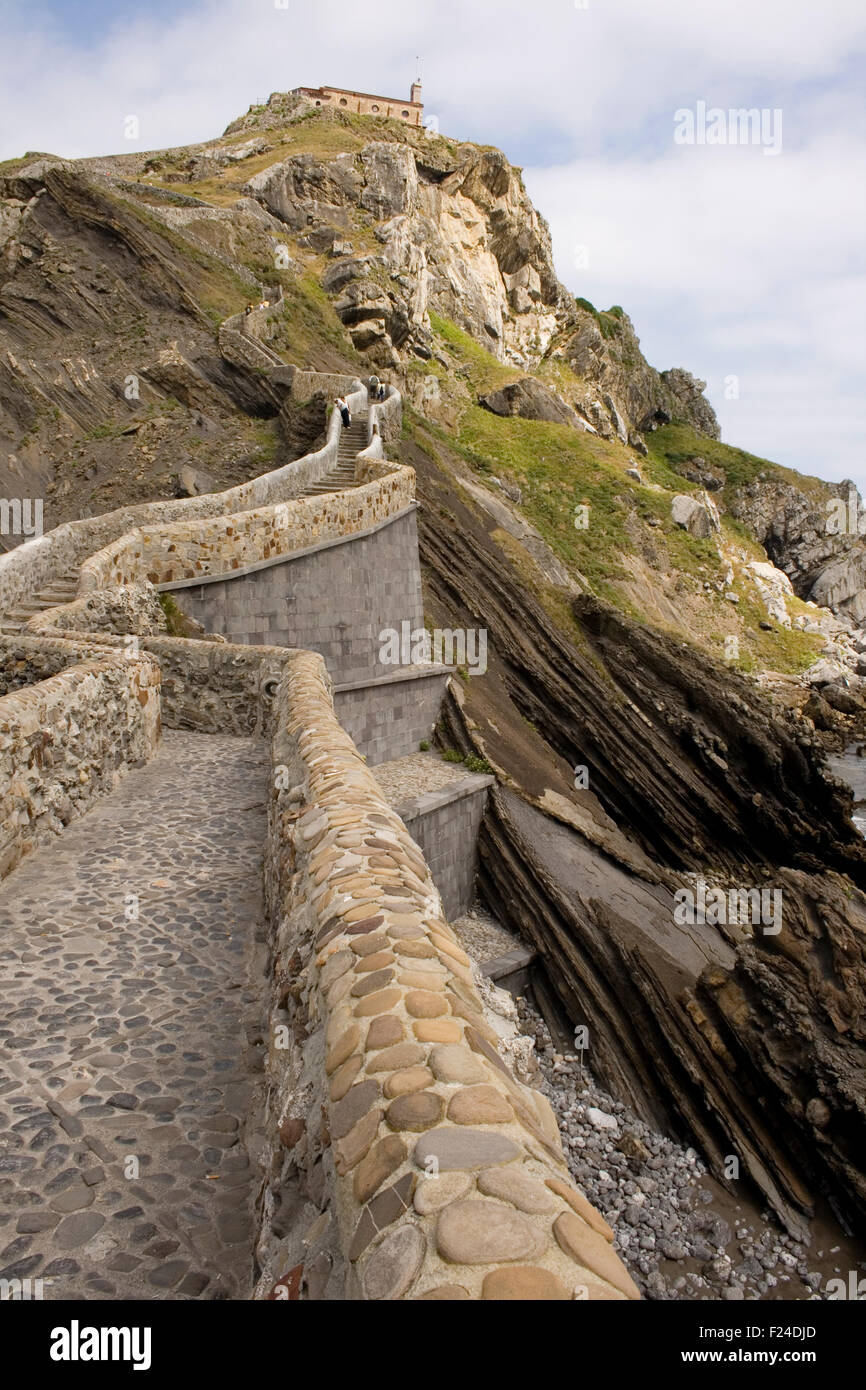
333,598
444,825
388,718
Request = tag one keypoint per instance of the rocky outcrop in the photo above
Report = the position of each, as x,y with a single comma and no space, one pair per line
531,400
815,536
624,395
690,404
691,773
459,237
697,515
751,1047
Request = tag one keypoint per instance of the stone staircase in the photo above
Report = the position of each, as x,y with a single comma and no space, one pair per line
60,590
342,475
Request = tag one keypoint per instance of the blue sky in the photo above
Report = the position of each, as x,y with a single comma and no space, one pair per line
745,268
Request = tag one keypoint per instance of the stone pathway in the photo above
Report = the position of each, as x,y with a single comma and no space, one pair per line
415,775
129,1035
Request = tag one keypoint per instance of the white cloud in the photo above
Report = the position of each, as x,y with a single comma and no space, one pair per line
727,260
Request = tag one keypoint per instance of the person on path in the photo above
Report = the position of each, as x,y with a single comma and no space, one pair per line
345,414
373,388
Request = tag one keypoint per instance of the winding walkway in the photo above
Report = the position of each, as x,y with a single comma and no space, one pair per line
129,1039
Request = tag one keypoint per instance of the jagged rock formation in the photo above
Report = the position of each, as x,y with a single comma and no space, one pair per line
690,771
816,537
531,401
458,236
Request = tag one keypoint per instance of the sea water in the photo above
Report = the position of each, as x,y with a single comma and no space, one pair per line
851,769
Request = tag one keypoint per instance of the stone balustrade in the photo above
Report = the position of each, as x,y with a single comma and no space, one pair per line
65,740
417,1165
304,384
385,418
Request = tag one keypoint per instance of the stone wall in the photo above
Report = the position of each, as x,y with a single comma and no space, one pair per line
65,741
178,552
304,384
333,598
388,718
132,608
207,687
407,1161
385,418
31,565
444,825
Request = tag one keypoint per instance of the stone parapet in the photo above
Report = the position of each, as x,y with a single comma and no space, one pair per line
179,552
207,687
33,564
66,740
385,418
415,1164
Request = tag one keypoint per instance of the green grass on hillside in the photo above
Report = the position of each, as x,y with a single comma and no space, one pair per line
483,371
672,445
308,320
558,470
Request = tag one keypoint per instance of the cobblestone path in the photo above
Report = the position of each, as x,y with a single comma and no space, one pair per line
128,1050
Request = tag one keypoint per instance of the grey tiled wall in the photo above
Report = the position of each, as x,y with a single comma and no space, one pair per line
444,824
390,720
334,601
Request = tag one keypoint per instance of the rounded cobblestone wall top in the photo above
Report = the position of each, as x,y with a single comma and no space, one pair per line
447,1173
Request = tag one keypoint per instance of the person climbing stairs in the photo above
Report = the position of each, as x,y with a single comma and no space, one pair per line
352,440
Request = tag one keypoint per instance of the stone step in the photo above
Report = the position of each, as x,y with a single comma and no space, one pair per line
322,487
22,611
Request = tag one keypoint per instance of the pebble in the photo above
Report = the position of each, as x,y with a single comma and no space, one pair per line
649,1189
394,1265
464,1148
474,1232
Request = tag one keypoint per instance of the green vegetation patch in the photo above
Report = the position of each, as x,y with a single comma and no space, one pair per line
559,471
309,321
483,370
674,445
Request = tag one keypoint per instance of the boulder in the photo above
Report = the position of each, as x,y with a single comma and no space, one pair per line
192,482
697,470
842,698
697,515
827,672
531,401
175,376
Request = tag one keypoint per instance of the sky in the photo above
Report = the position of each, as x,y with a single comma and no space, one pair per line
739,259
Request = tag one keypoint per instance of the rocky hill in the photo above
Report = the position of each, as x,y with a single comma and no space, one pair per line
398,252
666,611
